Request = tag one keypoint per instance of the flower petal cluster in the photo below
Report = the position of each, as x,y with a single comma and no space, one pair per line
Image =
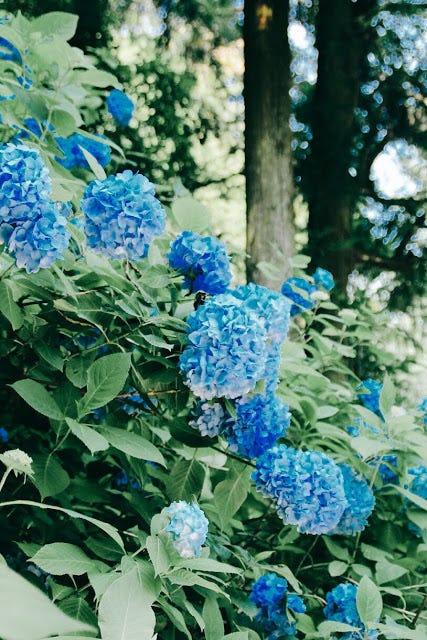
32,225
323,278
300,291
307,487
371,400
360,503
73,155
122,215
120,106
203,261
341,607
188,526
226,351
261,420
209,418
270,594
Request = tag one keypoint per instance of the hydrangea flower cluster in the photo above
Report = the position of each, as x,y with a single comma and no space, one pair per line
122,481
73,155
341,607
268,594
261,420
188,526
323,278
209,418
371,400
226,351
300,291
307,487
32,225
360,503
120,106
203,261
122,215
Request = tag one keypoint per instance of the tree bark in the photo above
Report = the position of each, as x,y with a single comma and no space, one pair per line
332,192
268,154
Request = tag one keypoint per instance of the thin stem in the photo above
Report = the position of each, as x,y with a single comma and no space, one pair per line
418,612
5,475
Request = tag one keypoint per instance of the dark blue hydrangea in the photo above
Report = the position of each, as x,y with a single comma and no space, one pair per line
73,155
359,427
341,607
307,487
8,51
4,436
122,215
38,242
189,528
324,278
132,403
209,418
121,481
24,181
270,595
360,503
203,261
300,291
120,106
371,400
226,351
261,421
386,469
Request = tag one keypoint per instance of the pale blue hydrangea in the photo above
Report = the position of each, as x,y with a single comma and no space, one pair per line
371,400
261,421
24,181
226,351
360,503
209,418
122,215
188,526
300,291
307,487
341,607
120,106
423,407
323,278
74,157
203,261
270,595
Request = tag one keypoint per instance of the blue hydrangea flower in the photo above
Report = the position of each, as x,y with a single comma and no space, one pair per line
341,607
120,106
307,487
226,351
133,402
419,482
360,503
300,291
73,155
24,181
261,420
423,407
122,215
4,436
270,594
204,262
209,418
121,481
8,51
189,528
371,400
40,240
387,473
324,278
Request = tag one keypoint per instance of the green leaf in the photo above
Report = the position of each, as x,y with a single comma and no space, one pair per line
38,398
158,554
133,444
124,613
9,308
208,564
214,626
27,614
62,558
93,163
106,377
93,440
337,568
420,502
189,579
176,617
185,480
336,550
387,571
230,494
49,476
387,396
57,22
330,626
369,602
190,214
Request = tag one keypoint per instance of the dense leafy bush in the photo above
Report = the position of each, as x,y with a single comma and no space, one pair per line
176,466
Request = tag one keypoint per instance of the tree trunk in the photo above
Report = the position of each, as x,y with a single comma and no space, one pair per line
268,154
332,193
